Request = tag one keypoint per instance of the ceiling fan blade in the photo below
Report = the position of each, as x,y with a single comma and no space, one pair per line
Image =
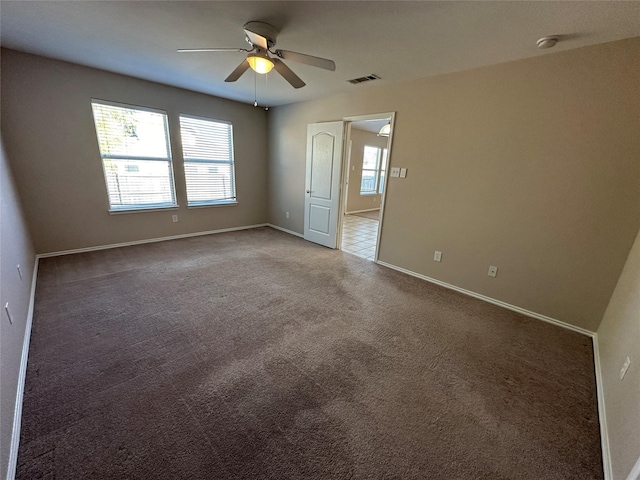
287,73
307,59
193,50
237,73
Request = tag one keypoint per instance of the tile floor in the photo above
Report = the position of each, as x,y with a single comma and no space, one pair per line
359,236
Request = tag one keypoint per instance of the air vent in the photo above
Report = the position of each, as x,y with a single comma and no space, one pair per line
368,78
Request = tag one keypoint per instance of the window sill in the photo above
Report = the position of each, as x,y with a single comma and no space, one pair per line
207,205
143,210
369,194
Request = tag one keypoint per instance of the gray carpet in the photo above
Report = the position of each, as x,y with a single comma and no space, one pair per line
255,354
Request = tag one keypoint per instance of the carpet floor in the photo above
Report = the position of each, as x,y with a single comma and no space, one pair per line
255,354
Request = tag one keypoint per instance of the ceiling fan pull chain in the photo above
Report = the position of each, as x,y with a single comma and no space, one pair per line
255,89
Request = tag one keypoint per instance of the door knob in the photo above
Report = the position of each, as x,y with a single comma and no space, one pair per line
308,191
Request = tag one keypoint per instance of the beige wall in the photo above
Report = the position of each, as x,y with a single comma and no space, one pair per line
619,337
15,249
50,139
530,165
355,201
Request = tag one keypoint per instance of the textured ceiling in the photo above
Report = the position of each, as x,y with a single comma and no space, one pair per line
395,40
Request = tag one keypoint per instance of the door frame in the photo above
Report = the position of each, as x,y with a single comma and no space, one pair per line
347,164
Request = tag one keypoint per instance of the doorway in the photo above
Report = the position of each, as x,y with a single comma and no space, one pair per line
364,183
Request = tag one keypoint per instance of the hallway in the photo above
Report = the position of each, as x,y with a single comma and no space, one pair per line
359,236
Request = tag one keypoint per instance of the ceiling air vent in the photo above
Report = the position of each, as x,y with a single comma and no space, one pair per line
367,78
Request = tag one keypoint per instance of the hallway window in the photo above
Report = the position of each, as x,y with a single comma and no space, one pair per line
374,163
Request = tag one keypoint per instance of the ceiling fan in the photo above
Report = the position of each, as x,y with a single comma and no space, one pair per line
262,38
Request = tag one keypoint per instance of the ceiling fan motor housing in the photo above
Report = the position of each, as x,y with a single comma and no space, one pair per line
268,32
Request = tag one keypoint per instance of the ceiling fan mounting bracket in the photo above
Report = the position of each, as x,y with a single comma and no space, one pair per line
268,32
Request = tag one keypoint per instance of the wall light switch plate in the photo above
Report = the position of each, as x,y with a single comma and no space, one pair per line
493,271
395,172
403,173
174,218
437,256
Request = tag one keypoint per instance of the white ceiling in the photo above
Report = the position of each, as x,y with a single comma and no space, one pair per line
396,40
371,126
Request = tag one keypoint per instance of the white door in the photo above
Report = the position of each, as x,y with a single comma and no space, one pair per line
322,199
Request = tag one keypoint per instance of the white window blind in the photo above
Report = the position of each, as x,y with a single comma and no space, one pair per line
136,156
207,147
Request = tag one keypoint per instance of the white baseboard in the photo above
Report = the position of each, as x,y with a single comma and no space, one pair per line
500,303
602,415
362,211
149,240
634,474
290,232
22,374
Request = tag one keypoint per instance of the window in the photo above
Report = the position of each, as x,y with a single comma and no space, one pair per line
136,158
207,147
374,164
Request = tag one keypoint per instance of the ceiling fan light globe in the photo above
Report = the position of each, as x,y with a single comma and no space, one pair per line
260,64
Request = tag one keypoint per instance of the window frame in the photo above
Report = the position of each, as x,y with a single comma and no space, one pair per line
209,162
382,153
133,208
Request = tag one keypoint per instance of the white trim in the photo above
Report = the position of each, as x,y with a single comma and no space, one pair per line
602,414
128,106
634,474
371,116
361,211
207,205
124,211
149,240
345,175
206,119
22,374
290,232
500,303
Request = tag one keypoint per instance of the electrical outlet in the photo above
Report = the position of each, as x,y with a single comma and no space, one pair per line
19,272
625,367
493,271
6,309
174,218
395,172
437,256
286,214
